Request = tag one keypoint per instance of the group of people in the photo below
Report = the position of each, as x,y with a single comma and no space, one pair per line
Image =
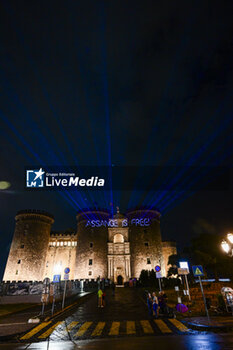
155,303
102,295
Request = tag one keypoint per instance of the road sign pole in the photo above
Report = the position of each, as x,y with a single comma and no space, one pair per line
64,296
187,284
202,291
160,284
53,304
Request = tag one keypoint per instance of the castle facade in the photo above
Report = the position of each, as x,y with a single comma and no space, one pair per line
117,247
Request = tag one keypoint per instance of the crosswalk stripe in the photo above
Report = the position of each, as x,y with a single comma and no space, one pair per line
98,329
130,327
50,330
70,326
178,325
83,329
35,330
162,326
146,327
114,328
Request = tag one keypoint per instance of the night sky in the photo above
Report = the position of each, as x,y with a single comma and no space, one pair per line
117,83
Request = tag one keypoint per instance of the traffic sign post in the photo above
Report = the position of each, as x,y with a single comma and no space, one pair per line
54,298
185,271
56,278
198,272
158,275
66,278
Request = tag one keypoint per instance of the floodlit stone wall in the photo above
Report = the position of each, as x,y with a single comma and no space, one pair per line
145,241
61,254
91,258
26,260
101,247
168,248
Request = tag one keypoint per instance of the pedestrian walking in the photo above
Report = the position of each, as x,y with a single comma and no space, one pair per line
149,304
100,295
155,304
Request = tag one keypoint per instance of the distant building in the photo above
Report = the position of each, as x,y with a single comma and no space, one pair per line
117,248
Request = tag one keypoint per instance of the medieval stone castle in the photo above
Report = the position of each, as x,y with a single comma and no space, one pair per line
117,248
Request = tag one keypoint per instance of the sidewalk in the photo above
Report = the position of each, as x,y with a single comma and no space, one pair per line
17,322
217,323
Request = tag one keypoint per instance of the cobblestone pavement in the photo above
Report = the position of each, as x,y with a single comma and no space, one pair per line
124,314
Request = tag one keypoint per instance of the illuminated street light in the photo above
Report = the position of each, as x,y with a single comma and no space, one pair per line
230,237
57,269
225,246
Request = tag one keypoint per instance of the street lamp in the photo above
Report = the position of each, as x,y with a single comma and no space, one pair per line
227,244
57,269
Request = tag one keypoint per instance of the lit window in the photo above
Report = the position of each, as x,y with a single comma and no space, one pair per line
73,243
148,261
90,261
69,243
91,245
65,243
61,244
19,261
22,246
90,273
54,244
146,244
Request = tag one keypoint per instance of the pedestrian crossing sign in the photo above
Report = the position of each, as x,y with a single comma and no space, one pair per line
198,270
56,278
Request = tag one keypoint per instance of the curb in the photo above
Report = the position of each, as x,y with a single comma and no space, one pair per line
10,337
205,328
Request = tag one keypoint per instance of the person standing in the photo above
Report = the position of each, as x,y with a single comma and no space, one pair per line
100,295
162,302
155,304
149,304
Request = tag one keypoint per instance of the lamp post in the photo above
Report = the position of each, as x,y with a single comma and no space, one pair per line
227,244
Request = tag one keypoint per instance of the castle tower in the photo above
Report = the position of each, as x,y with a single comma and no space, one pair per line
92,235
26,260
145,240
119,269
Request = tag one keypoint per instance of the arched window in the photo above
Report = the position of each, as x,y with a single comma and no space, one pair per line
118,238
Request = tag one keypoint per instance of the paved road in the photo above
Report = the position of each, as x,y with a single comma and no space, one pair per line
189,342
125,314
18,322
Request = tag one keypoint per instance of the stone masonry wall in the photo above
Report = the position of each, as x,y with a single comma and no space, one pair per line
145,242
97,236
26,260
